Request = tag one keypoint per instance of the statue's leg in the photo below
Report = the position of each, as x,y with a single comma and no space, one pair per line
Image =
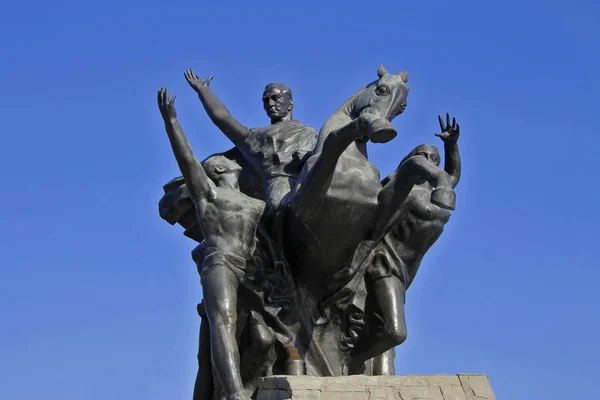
383,364
262,337
263,340
219,286
314,182
203,387
389,295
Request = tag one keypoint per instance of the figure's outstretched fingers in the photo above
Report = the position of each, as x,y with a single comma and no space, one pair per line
454,122
190,76
210,78
438,135
441,121
186,74
161,96
173,100
448,120
158,96
193,75
458,128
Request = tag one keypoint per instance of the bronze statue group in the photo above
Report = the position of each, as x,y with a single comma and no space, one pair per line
305,254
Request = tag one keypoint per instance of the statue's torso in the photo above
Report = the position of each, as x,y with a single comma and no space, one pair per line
229,223
278,150
420,224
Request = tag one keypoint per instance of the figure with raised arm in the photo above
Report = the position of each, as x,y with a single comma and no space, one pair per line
228,220
415,227
277,152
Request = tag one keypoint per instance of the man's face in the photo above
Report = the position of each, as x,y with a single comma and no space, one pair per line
277,104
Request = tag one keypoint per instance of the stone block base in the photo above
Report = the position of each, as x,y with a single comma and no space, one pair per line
362,387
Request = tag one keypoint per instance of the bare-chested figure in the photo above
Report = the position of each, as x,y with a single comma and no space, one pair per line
417,226
228,220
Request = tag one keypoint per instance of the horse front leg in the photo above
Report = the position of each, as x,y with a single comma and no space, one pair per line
316,179
401,182
383,364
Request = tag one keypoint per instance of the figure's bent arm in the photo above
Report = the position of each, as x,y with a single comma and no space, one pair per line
221,117
199,185
452,162
400,183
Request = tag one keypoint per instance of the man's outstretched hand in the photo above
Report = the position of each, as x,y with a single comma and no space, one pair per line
450,132
166,105
195,82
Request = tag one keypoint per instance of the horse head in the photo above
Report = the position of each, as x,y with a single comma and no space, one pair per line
384,98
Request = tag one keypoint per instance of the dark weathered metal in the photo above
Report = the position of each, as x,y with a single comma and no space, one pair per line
305,255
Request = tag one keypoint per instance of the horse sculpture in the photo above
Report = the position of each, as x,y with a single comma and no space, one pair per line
339,201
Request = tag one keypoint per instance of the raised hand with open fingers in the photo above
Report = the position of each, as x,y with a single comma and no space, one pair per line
450,132
194,80
166,105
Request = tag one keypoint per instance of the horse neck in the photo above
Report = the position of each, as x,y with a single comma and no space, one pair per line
342,116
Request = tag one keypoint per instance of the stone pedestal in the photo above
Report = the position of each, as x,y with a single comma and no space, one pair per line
361,387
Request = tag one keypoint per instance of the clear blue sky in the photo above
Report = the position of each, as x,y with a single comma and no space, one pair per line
98,294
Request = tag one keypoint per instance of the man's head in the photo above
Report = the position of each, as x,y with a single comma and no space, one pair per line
277,102
222,171
431,153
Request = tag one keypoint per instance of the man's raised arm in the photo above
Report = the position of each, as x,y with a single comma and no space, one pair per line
449,135
217,112
199,185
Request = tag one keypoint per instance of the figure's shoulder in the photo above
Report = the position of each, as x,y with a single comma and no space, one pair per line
301,135
234,196
259,130
307,129
285,126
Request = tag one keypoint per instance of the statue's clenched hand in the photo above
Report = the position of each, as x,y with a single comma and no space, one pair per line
195,82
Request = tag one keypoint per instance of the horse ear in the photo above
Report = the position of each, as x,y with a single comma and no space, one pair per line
381,71
403,76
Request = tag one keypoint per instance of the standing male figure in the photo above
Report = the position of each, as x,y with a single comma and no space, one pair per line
228,220
276,152
396,259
